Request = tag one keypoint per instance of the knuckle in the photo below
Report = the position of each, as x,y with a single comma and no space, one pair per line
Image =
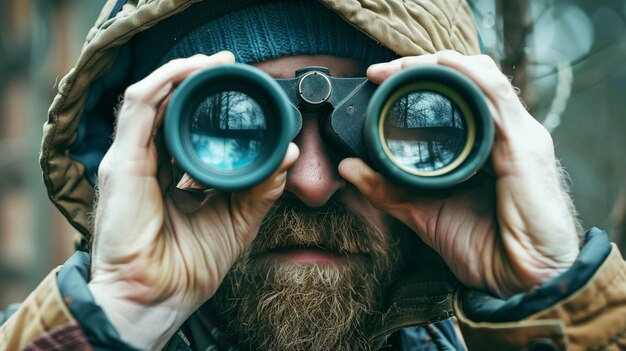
501,85
486,61
537,139
407,62
104,169
544,138
221,59
181,60
201,60
134,93
194,57
450,53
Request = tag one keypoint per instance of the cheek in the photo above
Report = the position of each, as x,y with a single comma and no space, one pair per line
360,206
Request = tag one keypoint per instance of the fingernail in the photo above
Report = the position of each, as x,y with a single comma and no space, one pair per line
421,60
379,66
412,60
226,55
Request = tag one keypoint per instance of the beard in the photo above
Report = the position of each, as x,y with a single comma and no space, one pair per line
271,304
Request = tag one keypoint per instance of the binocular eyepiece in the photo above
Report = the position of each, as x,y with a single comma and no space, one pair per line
429,127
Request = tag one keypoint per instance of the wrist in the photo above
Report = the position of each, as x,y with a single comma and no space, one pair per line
139,325
521,275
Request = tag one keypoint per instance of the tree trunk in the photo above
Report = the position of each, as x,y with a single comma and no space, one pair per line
618,220
515,27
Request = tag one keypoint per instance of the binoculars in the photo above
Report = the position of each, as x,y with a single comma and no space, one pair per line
427,127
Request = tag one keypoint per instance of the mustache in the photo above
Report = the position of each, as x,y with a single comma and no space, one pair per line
272,306
292,225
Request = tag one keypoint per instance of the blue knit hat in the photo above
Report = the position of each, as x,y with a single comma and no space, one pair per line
287,28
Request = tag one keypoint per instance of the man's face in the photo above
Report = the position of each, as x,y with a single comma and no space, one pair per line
314,277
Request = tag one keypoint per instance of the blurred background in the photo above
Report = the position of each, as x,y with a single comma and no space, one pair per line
567,57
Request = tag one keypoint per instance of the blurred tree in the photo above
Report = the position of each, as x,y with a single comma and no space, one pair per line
38,44
567,58
515,28
618,217
14,50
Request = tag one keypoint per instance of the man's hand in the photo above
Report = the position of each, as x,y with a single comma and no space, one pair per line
504,234
160,252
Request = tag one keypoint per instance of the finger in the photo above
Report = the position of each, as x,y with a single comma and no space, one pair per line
251,206
519,136
137,121
190,195
360,175
378,73
413,207
165,169
502,97
271,189
375,187
480,68
484,71
188,183
513,124
191,200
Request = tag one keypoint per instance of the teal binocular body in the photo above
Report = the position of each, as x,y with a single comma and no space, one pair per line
428,127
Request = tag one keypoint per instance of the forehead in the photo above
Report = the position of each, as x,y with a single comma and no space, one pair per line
285,67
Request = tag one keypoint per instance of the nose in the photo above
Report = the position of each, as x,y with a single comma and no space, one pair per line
314,178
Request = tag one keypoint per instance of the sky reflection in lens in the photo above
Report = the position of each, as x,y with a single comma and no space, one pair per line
227,131
424,131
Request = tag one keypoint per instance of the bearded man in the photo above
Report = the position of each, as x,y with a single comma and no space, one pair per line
326,253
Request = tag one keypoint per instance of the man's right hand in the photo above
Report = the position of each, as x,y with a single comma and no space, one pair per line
159,251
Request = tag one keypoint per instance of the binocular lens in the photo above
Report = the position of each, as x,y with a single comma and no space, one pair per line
428,127
229,126
424,133
227,131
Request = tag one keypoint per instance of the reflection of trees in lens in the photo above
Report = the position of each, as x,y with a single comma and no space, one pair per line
424,131
227,129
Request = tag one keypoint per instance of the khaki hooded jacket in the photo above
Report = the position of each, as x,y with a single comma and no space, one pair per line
593,317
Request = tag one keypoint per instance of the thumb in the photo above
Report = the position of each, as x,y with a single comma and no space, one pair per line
415,208
364,178
375,187
250,206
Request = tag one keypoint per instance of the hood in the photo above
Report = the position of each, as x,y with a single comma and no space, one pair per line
83,107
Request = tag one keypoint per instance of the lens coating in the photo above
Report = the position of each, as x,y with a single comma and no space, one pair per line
227,131
424,132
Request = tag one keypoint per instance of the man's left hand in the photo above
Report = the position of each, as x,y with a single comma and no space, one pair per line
503,234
